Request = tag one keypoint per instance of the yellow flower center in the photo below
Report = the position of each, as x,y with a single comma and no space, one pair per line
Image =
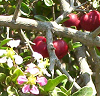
32,80
10,53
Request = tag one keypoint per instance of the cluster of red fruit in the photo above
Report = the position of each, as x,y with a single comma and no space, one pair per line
88,22
61,47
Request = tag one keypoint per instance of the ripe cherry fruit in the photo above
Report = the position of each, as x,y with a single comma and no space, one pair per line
90,21
61,47
40,46
72,21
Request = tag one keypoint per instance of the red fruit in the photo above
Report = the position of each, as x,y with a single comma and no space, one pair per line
90,21
61,48
72,21
40,46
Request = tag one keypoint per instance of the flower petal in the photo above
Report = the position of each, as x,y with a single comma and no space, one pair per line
26,88
31,65
21,79
13,43
42,81
9,62
2,52
34,90
37,56
18,59
3,60
46,72
32,70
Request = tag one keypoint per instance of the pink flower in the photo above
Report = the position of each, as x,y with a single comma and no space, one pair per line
21,79
32,70
34,90
42,81
26,88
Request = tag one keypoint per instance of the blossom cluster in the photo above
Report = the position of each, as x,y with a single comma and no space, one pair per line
34,75
9,56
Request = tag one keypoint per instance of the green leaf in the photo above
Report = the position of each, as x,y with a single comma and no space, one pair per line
48,2
17,72
25,10
2,77
12,91
54,92
4,42
70,89
63,89
85,91
41,18
76,67
74,27
64,81
76,45
65,19
8,80
52,83
60,93
4,48
97,51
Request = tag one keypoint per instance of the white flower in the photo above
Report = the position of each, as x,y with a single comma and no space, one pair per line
42,67
13,43
46,72
18,59
2,52
37,56
3,59
31,65
9,62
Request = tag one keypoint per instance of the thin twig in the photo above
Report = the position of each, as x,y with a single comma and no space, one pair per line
26,40
95,32
17,11
53,11
72,3
82,4
63,70
66,10
8,32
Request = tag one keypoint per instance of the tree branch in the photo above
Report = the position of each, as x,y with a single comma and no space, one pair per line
66,10
84,68
96,32
97,68
63,70
54,60
65,5
24,23
51,51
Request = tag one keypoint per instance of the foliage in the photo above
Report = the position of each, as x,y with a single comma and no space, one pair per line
14,61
